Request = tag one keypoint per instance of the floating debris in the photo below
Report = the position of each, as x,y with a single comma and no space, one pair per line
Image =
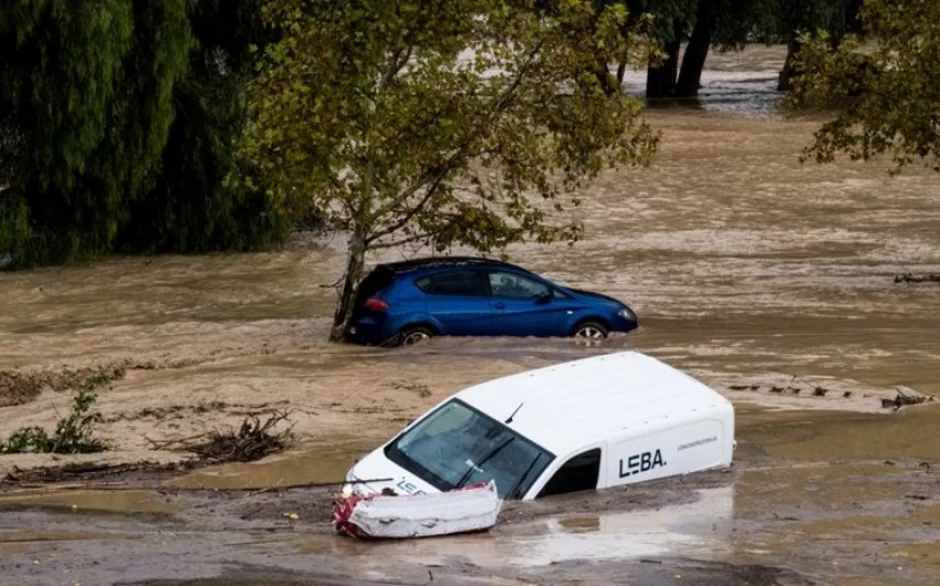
915,278
906,396
253,440
820,391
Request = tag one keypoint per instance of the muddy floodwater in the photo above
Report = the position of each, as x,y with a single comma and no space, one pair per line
769,280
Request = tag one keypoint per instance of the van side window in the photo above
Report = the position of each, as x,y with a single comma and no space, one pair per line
578,473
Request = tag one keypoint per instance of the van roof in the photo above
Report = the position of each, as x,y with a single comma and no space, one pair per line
569,406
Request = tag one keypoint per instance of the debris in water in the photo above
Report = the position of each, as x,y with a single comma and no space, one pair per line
847,394
820,391
915,278
794,390
776,389
467,509
253,440
903,399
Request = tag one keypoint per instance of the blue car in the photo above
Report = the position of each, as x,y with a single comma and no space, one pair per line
406,302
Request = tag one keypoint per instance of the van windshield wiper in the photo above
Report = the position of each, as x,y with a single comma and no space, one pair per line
515,487
466,475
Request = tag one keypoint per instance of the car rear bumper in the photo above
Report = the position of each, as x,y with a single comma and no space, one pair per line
368,332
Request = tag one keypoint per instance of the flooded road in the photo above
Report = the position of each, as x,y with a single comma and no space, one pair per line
755,273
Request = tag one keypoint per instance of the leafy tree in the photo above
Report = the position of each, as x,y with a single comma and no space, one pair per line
197,203
118,119
440,123
87,87
890,95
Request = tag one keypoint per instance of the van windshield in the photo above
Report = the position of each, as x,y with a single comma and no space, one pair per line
457,446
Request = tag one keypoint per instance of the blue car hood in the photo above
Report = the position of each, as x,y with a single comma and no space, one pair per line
594,295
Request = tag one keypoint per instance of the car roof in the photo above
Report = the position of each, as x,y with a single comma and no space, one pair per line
435,262
572,405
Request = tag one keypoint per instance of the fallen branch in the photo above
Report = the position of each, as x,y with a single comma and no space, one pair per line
903,399
912,278
254,440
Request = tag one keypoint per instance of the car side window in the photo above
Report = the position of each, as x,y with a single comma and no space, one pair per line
577,474
505,284
453,283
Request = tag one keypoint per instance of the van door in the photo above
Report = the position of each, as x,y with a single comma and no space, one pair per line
583,471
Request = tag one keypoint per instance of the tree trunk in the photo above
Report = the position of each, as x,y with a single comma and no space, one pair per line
621,73
693,62
661,79
788,72
355,264
602,72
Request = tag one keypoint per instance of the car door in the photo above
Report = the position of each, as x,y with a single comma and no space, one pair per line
523,306
458,300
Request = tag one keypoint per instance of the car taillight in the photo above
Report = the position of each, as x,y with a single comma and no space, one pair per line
375,304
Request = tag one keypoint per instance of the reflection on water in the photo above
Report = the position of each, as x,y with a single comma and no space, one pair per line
90,501
311,463
699,529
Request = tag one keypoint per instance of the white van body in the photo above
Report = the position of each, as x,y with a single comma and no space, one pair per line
641,418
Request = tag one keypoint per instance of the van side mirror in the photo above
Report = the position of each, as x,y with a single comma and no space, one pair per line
543,298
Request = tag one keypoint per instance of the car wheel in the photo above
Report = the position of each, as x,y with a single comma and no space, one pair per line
413,335
590,332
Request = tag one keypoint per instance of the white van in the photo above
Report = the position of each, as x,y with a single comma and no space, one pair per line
582,425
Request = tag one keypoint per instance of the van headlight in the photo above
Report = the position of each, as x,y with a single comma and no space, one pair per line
627,314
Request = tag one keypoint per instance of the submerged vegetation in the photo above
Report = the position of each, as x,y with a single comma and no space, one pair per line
74,433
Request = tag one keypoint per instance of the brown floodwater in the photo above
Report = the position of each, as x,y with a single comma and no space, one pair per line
746,268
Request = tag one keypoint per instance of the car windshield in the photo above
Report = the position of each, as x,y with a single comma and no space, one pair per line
458,445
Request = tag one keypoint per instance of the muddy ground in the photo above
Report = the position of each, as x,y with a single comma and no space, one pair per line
767,279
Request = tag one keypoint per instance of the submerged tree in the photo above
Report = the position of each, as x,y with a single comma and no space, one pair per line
793,18
889,97
442,123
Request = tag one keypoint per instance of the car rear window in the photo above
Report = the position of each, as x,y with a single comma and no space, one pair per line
377,280
453,283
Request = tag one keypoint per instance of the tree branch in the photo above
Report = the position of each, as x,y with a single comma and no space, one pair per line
437,173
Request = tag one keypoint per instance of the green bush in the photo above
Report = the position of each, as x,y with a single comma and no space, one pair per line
73,434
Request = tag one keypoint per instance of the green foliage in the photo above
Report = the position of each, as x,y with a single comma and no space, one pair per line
89,86
364,111
199,202
890,97
74,434
117,124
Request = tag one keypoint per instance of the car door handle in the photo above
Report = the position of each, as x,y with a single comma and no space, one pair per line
499,305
